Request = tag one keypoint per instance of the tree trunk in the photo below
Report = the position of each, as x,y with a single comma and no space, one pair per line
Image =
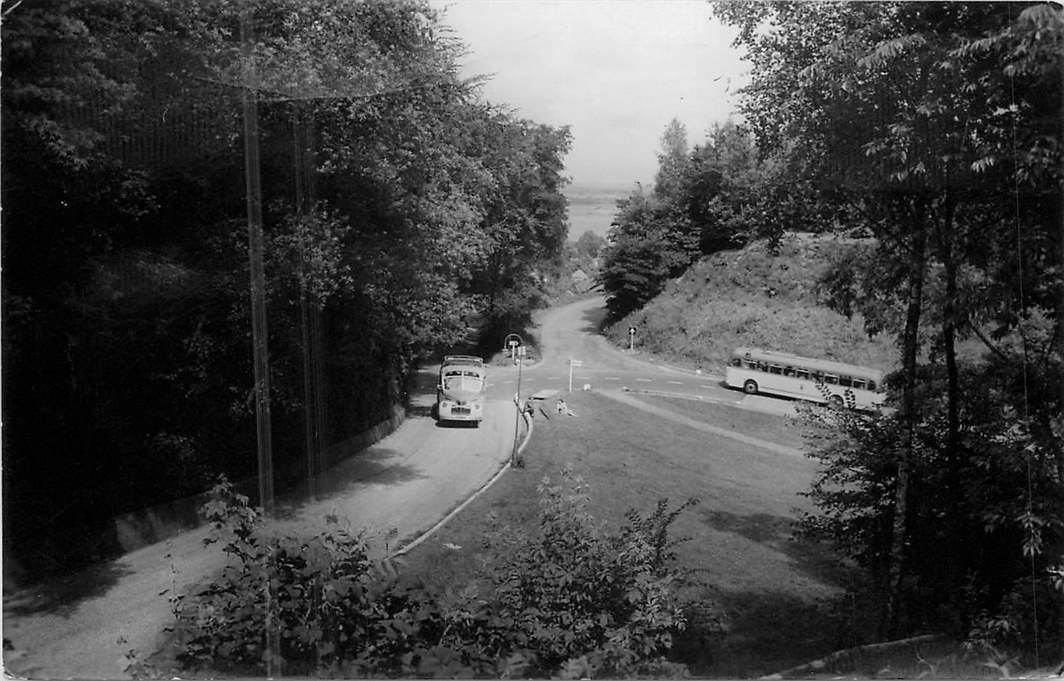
910,348
954,545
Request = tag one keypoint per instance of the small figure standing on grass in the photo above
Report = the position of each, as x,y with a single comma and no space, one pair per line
530,408
562,408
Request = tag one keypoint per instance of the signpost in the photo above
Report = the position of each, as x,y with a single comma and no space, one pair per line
512,343
573,363
516,346
631,338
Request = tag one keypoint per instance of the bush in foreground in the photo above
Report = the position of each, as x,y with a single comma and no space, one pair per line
565,598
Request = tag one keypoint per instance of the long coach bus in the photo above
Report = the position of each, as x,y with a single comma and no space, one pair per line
816,380
460,391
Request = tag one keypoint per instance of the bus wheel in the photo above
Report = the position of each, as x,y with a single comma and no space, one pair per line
750,387
835,401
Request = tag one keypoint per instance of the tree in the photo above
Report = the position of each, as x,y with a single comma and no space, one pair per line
673,162
928,122
644,251
589,245
652,238
127,358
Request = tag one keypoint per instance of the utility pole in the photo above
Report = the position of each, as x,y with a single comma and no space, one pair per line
258,312
260,350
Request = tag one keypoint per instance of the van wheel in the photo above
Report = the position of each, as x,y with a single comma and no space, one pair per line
750,387
835,401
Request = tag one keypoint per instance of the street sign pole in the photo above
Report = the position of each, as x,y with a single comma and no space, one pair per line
516,344
573,363
631,338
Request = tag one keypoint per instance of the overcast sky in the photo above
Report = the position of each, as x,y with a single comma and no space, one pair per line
616,71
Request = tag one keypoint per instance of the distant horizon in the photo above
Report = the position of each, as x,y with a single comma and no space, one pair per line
604,186
615,73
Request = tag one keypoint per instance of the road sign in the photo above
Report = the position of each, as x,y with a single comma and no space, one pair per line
576,363
631,330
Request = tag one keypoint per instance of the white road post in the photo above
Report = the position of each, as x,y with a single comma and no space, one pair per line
573,363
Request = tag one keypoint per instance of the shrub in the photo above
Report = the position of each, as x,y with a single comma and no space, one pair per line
583,600
565,599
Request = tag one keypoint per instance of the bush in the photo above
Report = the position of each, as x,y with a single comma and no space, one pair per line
984,525
566,599
583,600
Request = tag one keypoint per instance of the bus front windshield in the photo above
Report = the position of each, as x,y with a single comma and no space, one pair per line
462,380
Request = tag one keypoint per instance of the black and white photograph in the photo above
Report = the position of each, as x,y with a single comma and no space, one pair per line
532,339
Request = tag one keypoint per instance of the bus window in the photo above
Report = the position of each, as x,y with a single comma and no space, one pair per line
871,385
788,371
845,381
802,374
775,369
831,379
750,364
859,383
736,362
818,376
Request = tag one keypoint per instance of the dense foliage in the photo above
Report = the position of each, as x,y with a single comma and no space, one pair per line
935,128
568,599
720,195
397,206
929,136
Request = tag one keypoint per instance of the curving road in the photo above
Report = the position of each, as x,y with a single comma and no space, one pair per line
569,332
395,490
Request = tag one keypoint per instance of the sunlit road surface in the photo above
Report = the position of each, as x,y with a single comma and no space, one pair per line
395,489
569,332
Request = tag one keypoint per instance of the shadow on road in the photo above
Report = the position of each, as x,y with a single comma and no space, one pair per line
61,596
420,411
595,317
377,465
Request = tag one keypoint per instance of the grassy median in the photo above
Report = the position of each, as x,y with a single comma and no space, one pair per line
771,586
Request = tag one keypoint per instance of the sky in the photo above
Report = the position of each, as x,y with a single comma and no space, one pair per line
615,71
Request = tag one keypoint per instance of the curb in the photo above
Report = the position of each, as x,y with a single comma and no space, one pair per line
458,509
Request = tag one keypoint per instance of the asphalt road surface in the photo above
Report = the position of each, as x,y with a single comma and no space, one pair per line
395,490
568,332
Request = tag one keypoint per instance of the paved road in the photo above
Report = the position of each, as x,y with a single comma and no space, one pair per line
396,489
569,332
399,487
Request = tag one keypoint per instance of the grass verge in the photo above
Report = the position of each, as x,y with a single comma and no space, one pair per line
774,589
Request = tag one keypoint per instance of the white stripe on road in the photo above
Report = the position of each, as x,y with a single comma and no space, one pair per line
675,382
612,378
645,380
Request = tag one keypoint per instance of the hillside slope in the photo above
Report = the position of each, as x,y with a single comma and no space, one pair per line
751,297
